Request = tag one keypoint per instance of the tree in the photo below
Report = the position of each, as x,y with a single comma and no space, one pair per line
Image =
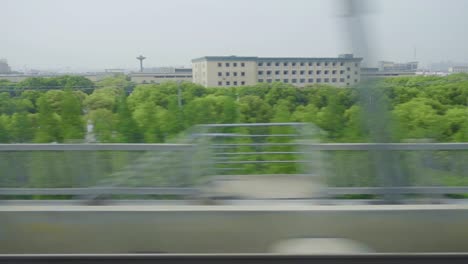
330,118
21,129
454,124
127,129
146,116
254,110
4,131
354,126
48,122
104,124
103,98
73,127
417,119
172,120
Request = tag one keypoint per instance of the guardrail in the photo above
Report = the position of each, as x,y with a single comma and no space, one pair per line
452,258
193,190
166,146
93,147
141,191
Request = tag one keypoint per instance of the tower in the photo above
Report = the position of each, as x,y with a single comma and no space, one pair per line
141,58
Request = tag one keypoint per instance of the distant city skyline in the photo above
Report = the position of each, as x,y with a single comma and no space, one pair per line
90,35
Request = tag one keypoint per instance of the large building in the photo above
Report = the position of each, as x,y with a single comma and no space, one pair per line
390,66
4,67
376,72
458,69
226,71
163,75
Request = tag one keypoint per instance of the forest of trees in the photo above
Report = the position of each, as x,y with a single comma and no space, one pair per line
44,110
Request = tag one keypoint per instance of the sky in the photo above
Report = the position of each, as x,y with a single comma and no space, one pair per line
101,34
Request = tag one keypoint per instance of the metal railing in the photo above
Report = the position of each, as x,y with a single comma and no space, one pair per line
227,149
427,258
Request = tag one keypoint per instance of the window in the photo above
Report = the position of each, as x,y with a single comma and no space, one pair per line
277,64
242,64
269,81
220,64
302,72
285,64
260,64
318,72
293,80
234,64
342,80
277,72
334,80
220,74
348,77
302,64
326,80
348,69
318,63
341,72
310,72
355,72
227,64
347,83
285,80
293,72
234,82
334,64
285,72
311,80
355,80
242,83
227,73
242,73
234,73
334,72
325,72
310,63
268,63
319,80
228,83
293,64
220,83
260,72
260,80
277,80
326,63
355,64
268,72
341,63
302,80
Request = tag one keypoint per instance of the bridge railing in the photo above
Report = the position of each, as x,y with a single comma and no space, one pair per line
82,169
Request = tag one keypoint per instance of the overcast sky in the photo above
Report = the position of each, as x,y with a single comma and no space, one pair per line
99,34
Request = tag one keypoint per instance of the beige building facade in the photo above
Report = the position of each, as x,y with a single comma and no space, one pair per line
228,71
458,69
158,78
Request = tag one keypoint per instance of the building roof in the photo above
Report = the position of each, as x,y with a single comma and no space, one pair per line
276,59
150,74
225,58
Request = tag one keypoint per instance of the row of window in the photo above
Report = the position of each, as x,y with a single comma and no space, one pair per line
227,64
318,80
242,64
303,72
229,83
229,74
302,64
